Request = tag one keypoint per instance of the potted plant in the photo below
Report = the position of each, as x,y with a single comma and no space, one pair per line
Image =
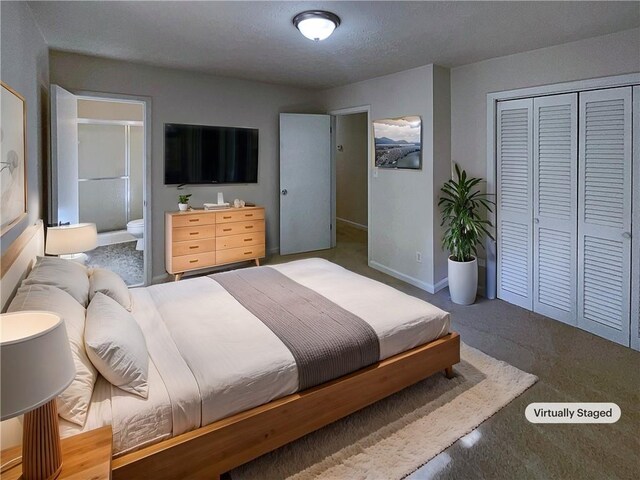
183,202
466,229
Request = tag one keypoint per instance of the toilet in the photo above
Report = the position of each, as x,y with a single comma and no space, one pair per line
136,228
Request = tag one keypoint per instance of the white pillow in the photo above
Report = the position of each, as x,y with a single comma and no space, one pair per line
73,403
67,275
116,346
111,284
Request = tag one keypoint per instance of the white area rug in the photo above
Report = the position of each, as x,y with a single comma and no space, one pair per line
396,436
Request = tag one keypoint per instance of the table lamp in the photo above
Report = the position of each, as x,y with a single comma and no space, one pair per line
36,365
69,241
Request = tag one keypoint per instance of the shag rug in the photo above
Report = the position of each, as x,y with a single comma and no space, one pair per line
122,258
397,435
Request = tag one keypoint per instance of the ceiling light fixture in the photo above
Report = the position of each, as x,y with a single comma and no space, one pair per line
316,25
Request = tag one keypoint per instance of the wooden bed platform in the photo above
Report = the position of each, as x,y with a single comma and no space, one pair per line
209,451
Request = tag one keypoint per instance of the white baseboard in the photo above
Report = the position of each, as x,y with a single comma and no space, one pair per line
427,287
359,226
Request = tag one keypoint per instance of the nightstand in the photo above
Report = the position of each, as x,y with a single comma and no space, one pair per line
86,456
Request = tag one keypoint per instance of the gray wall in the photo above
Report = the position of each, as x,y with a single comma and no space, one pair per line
402,210
607,55
351,168
25,68
188,97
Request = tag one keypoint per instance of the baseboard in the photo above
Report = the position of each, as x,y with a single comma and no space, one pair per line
359,226
273,250
160,278
427,287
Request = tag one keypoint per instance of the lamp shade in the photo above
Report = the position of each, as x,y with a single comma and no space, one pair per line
69,239
35,361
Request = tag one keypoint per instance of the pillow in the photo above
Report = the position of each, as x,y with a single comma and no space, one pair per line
116,346
111,284
67,275
73,403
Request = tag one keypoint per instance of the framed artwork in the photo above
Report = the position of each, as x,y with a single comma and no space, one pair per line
398,142
13,171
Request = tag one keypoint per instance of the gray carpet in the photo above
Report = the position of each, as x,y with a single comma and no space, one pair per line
122,258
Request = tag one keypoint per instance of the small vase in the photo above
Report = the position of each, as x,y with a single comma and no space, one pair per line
183,207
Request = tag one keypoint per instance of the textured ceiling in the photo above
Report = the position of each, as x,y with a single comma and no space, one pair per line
256,40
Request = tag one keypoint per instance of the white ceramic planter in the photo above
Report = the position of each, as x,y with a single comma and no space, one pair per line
183,207
463,281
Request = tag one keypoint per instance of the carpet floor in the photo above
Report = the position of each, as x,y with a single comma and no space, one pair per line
394,437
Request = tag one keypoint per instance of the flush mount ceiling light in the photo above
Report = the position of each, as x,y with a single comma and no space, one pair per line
316,25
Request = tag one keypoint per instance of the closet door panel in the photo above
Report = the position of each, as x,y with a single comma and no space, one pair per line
635,240
604,213
514,219
555,171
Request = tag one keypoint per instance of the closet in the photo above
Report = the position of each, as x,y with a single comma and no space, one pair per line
564,208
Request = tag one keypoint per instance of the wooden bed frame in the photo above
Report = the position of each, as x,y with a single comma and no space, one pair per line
209,451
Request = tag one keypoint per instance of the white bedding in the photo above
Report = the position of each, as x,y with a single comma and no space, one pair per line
210,357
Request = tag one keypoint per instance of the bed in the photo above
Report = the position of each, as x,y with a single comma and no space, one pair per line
224,388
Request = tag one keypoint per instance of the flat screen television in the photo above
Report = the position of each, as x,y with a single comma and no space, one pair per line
198,154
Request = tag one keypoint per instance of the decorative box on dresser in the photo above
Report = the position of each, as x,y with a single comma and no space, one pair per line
198,239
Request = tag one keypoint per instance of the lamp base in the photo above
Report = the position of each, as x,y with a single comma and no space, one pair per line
41,455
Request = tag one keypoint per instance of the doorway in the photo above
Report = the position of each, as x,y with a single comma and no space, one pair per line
351,160
103,177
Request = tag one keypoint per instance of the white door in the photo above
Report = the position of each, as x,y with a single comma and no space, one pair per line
305,183
63,180
635,241
555,187
604,213
514,219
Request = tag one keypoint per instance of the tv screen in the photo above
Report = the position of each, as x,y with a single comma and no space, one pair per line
203,154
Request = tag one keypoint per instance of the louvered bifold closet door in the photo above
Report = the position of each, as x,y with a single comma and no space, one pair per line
514,216
635,240
604,213
555,194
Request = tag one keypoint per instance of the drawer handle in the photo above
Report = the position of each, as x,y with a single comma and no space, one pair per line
248,214
226,229
193,247
248,253
194,219
248,239
194,233
226,218
193,261
248,226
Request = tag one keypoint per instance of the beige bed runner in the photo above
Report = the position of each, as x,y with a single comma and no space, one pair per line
325,340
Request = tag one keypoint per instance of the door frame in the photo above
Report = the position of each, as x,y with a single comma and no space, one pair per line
147,188
630,79
349,111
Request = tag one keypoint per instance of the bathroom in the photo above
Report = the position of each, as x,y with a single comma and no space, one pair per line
111,144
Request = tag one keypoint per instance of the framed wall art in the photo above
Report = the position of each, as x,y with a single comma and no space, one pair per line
13,171
398,142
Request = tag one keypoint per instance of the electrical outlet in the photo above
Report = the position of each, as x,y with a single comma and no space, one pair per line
418,257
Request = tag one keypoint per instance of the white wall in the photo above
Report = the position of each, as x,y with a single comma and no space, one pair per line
25,68
607,55
351,167
402,211
187,97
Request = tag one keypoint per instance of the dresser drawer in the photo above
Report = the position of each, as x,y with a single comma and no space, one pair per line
224,229
193,246
243,240
239,215
193,219
239,254
181,234
192,262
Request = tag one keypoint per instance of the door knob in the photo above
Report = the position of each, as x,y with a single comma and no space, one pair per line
626,235
537,220
284,192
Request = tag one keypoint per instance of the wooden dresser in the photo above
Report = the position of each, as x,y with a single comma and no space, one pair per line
199,239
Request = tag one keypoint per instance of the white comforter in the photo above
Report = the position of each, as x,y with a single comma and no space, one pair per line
211,358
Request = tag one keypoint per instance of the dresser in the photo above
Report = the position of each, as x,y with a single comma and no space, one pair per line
198,239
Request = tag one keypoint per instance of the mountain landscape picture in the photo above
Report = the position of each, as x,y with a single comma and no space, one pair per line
398,142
